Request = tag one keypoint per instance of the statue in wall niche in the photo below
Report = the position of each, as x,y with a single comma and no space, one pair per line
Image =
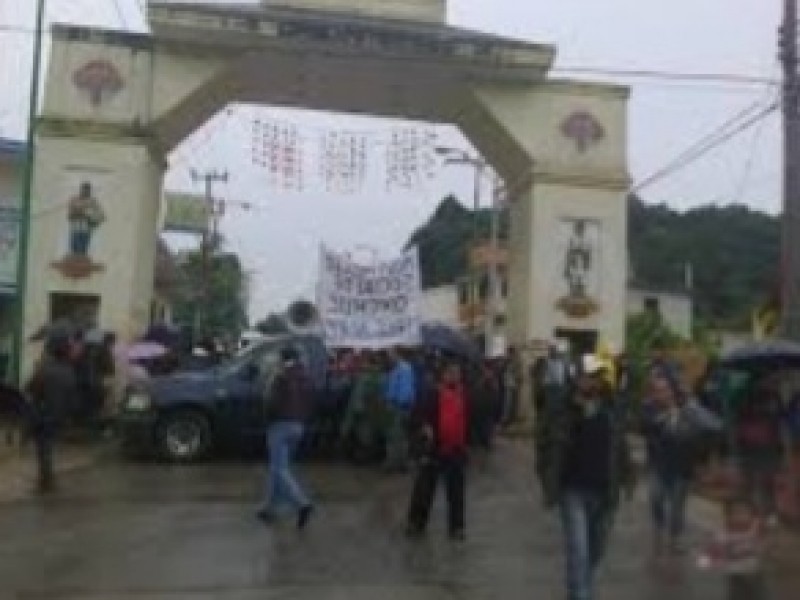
85,215
579,263
578,260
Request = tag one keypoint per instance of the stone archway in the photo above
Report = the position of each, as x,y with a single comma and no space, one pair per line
115,103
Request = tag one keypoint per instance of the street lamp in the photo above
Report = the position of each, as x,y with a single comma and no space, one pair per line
25,204
457,156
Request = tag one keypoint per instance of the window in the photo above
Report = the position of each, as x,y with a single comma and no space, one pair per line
483,288
652,305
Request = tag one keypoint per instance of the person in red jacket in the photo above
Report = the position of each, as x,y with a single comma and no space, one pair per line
441,422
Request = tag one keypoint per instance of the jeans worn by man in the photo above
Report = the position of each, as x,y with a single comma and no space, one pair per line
585,519
668,497
283,438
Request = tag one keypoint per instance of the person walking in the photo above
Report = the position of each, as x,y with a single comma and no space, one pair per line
365,415
760,435
672,426
400,396
585,468
512,387
485,397
289,405
52,391
441,422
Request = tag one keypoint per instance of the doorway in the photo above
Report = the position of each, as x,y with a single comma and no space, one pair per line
581,341
80,309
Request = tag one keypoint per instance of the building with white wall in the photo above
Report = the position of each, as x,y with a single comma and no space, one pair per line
440,305
675,307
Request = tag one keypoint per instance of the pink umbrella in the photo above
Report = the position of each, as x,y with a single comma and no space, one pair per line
144,351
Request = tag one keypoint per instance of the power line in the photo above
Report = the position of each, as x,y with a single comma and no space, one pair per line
749,164
710,137
697,151
742,79
120,14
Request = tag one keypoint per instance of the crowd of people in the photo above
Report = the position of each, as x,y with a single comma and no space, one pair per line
429,411
425,411
364,414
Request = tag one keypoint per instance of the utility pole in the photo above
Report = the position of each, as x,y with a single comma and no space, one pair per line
495,289
790,244
24,212
214,209
457,156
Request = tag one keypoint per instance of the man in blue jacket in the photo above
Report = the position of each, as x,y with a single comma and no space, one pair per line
400,393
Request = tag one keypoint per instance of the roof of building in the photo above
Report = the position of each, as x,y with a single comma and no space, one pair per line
443,31
656,290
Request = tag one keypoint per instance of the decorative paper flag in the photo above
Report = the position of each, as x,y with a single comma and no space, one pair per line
343,161
278,148
409,157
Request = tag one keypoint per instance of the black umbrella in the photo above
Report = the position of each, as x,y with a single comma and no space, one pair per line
57,329
441,337
166,335
771,354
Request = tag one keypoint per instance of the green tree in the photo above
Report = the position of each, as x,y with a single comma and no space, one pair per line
734,253
645,333
212,298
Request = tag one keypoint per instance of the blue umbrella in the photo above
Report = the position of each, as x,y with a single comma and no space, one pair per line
441,337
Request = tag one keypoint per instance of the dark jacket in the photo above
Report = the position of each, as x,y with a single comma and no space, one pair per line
426,414
560,441
674,448
52,391
291,396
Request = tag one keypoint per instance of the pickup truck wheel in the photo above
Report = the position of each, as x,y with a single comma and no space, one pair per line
184,436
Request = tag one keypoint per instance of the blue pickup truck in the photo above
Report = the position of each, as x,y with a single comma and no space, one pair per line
185,416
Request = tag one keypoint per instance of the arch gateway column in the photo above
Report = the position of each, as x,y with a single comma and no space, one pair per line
115,103
97,186
569,235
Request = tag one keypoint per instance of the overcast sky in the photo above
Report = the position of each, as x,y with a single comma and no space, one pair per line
278,240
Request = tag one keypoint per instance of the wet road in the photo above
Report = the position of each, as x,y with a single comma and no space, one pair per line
128,531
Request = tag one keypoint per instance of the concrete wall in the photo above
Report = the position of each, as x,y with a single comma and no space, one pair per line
125,180
569,182
675,309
